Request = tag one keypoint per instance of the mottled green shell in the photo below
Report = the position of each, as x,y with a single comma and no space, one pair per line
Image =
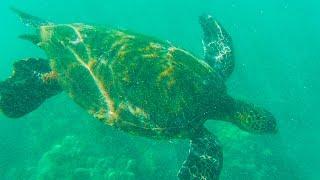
134,82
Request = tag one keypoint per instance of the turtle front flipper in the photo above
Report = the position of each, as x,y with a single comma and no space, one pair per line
217,45
205,158
30,85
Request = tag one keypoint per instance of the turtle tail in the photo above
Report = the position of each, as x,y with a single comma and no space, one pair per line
249,117
31,83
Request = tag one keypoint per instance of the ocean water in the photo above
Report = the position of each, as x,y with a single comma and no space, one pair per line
276,46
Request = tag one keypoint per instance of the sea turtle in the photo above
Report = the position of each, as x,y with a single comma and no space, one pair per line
137,84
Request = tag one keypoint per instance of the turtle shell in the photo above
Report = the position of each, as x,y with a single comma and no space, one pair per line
130,81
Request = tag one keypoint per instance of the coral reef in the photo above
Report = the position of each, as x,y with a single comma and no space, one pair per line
251,156
74,159
75,146
246,157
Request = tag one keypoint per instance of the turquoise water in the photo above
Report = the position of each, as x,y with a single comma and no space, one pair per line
277,67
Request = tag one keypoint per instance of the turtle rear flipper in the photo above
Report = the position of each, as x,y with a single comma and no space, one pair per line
217,45
28,19
205,158
30,85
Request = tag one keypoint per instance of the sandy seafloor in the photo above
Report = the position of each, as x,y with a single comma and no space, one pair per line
276,45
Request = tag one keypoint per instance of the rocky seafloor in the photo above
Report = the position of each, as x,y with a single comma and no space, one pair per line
65,143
